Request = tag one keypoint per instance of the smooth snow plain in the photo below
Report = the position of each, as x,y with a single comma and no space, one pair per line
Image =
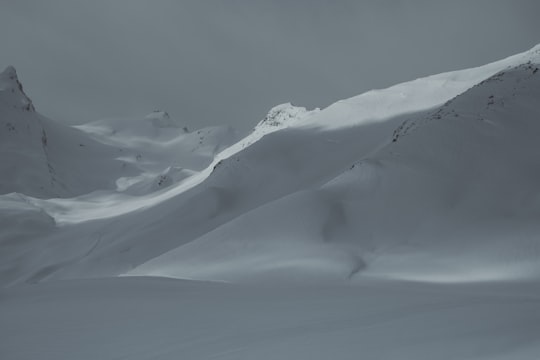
398,224
152,318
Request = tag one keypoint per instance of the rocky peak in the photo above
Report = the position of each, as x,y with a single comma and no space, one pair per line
11,91
282,115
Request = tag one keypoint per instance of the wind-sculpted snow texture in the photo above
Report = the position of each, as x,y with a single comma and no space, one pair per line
407,217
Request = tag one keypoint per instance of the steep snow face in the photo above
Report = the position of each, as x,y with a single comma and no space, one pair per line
24,158
11,91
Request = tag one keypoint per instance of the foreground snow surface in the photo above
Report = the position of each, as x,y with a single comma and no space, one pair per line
152,318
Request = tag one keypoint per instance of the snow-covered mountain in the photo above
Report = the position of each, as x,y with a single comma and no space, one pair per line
433,180
43,158
390,182
451,195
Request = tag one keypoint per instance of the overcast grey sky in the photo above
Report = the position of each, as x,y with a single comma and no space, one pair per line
228,62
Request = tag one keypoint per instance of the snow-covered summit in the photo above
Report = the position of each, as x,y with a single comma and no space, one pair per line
162,119
11,91
284,115
534,54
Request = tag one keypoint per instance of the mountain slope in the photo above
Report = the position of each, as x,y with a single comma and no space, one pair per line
406,218
452,197
42,158
281,204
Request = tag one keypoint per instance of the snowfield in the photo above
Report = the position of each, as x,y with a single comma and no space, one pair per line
402,223
145,318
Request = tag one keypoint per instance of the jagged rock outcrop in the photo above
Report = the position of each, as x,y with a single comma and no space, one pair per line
11,91
284,115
